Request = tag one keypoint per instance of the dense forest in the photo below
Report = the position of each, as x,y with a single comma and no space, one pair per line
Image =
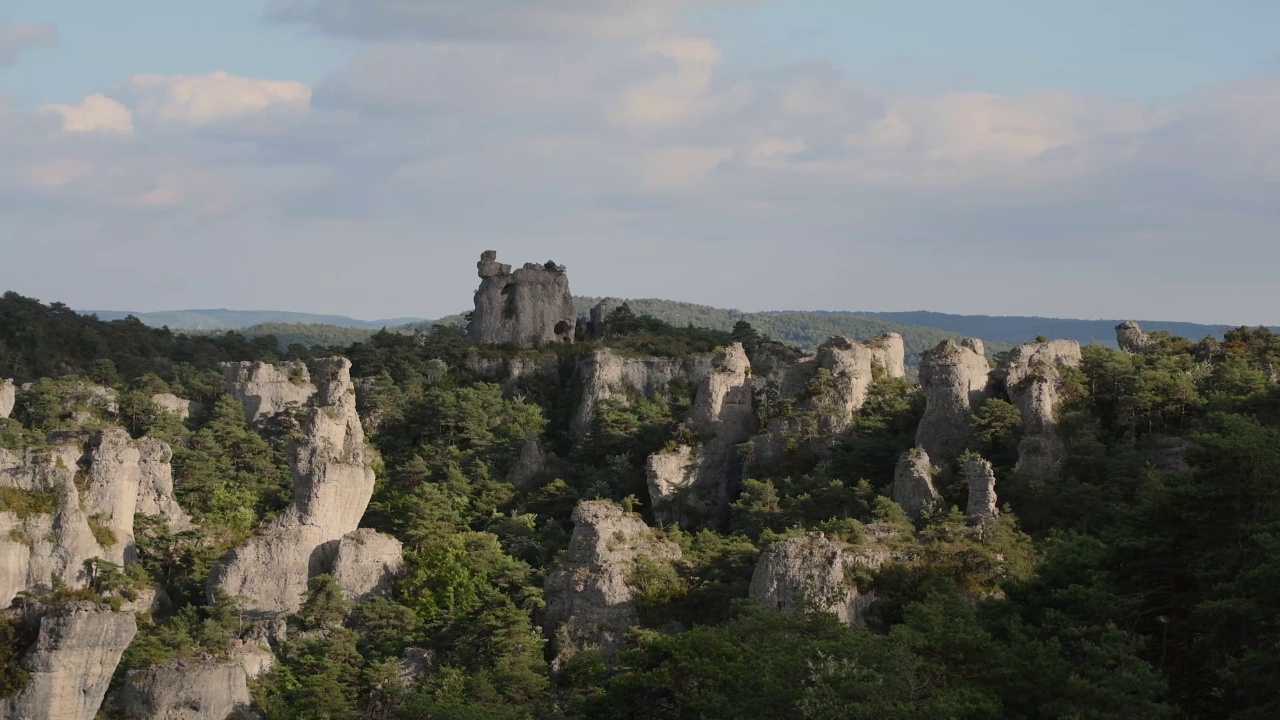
1142,580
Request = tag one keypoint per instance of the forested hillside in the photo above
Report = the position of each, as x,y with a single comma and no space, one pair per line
544,576
241,319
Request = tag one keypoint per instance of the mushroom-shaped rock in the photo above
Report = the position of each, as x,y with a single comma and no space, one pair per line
1131,338
265,389
8,396
366,564
1033,381
530,307
76,651
590,603
205,689
913,482
981,479
954,377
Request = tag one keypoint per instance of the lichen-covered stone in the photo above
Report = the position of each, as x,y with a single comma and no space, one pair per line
530,307
366,564
8,395
1131,338
202,689
332,482
76,652
590,603
691,483
265,389
1033,381
607,374
981,479
954,377
913,482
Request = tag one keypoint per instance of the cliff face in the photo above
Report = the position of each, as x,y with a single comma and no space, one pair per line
266,389
954,377
589,601
366,563
530,307
608,374
71,663
188,690
697,482
1033,381
332,483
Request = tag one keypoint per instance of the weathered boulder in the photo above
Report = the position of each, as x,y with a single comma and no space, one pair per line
590,603
955,378
204,689
366,563
1131,338
155,485
889,352
332,483
981,479
599,314
817,573
266,389
76,652
913,482
610,375
175,405
530,307
1033,381
531,465
8,396
695,482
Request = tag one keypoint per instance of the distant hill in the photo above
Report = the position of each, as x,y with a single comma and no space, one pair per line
239,319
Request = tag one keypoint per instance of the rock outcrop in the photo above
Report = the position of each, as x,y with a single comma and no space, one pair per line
530,307
366,563
332,483
913,482
175,405
265,389
981,479
1131,338
8,396
205,689
815,572
599,314
155,485
590,603
1033,381
531,465
76,651
111,489
608,374
696,482
825,390
955,381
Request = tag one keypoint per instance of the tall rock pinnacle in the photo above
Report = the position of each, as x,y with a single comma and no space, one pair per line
530,307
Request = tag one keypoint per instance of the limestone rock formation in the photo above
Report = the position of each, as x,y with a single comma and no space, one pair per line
112,489
827,388
955,378
530,307
8,396
815,572
981,479
531,464
913,482
589,601
181,407
206,689
506,371
366,563
155,485
1033,382
332,483
608,374
77,650
1131,338
266,389
695,482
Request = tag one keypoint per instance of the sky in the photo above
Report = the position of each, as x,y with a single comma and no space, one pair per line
1088,159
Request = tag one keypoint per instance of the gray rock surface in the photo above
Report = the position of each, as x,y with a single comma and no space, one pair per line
530,307
1033,381
181,407
599,313
954,377
589,601
366,564
531,465
913,482
981,479
693,483
1131,338
608,374
266,389
111,489
71,663
8,395
332,483
155,485
204,689
507,371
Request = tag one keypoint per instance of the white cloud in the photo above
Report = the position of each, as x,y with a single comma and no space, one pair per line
16,39
204,98
96,113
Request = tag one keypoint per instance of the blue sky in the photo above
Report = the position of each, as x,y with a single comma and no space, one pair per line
1083,159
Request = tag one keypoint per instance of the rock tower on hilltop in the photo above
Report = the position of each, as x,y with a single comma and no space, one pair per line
530,307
